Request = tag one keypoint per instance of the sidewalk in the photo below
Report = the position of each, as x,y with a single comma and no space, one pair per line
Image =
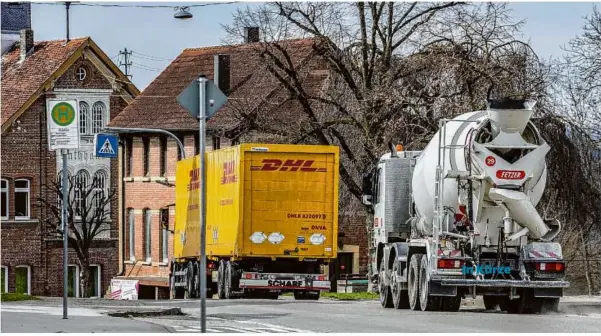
17,318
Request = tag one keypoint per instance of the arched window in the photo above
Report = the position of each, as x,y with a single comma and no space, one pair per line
4,190
82,182
147,234
84,118
98,110
22,199
100,186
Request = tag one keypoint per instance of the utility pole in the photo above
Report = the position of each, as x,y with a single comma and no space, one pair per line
126,63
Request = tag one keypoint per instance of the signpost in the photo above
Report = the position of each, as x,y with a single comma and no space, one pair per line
105,145
202,98
63,134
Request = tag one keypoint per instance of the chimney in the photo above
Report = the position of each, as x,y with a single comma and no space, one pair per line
252,34
221,73
26,42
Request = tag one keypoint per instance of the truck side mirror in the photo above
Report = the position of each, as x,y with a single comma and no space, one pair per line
367,188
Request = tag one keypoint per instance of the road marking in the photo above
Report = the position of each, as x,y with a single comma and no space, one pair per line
48,310
237,329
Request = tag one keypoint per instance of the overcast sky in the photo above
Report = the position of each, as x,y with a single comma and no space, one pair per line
156,37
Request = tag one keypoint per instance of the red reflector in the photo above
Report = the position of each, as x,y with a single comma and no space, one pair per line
248,276
450,263
550,266
511,174
321,278
211,266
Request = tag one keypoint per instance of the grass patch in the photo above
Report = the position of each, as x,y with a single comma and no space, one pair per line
9,297
350,296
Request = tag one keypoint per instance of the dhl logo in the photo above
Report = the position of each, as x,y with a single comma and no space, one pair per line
288,165
511,174
229,173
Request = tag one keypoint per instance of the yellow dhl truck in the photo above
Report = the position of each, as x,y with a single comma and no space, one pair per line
271,225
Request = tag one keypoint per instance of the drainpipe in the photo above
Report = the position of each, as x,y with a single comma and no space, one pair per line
122,242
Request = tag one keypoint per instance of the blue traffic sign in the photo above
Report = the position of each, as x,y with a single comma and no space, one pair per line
190,98
105,145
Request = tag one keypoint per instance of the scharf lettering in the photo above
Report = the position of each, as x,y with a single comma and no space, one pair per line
288,165
284,283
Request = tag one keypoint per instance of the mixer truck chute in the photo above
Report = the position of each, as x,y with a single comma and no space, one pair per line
467,201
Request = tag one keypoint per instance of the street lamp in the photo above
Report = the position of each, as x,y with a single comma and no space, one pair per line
182,13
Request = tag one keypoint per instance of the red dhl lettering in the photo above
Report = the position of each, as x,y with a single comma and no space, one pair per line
288,165
511,174
229,173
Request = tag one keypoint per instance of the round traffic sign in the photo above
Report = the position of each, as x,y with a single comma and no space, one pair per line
63,114
490,161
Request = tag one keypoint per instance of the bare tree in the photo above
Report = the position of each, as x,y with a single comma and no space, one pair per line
394,70
88,217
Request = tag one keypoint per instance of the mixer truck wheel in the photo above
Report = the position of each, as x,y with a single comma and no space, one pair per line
427,301
451,303
413,281
400,298
490,302
385,294
221,280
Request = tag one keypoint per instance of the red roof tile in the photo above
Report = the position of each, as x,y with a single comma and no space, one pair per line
250,81
20,80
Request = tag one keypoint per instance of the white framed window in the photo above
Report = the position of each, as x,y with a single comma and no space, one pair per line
164,235
22,199
73,281
84,118
81,73
82,181
23,279
98,111
4,278
4,199
95,282
147,235
131,221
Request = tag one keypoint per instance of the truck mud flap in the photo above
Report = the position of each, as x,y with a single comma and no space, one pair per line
436,289
503,283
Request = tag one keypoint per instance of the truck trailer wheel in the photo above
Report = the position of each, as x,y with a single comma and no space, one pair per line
400,297
189,292
427,301
413,281
385,294
221,280
228,280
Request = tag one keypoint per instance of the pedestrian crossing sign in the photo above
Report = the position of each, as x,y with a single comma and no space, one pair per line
105,145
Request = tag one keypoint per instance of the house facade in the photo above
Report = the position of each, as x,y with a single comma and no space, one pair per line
150,159
32,74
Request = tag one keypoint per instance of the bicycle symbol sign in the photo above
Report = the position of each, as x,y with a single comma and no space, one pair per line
63,114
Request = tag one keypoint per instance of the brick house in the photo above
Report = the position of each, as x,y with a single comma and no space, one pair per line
151,159
32,73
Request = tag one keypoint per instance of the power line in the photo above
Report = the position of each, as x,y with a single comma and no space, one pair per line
145,67
150,58
133,6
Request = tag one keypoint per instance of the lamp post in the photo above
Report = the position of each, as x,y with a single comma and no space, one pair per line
182,13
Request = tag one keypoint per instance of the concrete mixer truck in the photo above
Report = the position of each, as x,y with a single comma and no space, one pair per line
458,219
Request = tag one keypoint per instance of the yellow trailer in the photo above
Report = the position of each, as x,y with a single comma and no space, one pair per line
272,220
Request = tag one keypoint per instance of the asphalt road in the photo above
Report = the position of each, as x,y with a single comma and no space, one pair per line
286,315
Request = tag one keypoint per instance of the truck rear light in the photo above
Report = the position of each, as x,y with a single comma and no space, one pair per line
321,278
550,266
317,239
211,266
276,238
449,263
258,237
